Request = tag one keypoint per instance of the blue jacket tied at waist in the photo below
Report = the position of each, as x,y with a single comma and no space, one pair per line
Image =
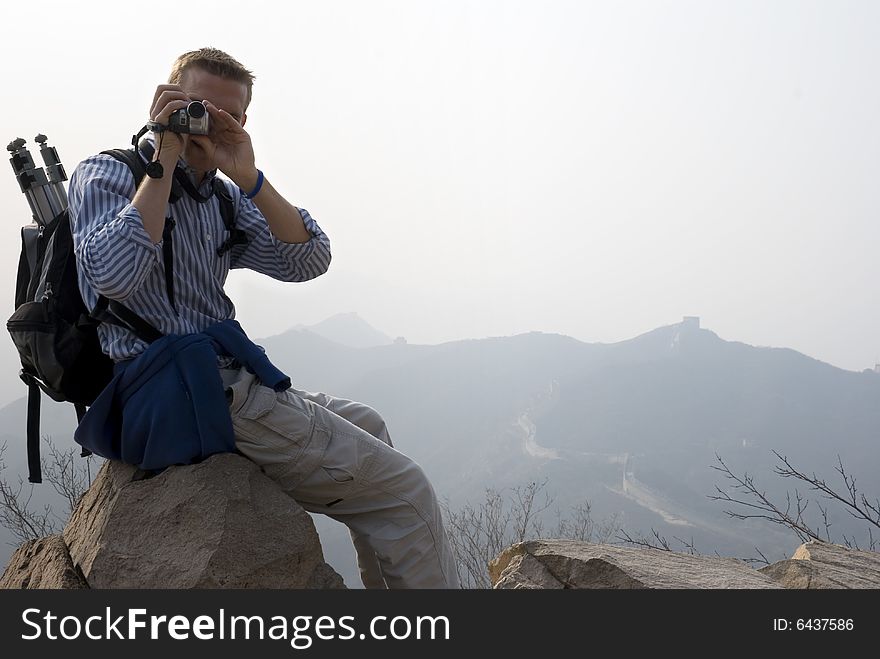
167,405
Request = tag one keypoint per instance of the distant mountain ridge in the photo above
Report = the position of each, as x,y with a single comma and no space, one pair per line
633,426
348,329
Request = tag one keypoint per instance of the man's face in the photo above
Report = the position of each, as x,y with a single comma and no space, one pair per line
226,94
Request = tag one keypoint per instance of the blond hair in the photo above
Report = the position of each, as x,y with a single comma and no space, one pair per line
216,62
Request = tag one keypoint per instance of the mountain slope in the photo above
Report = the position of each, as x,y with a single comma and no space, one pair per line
348,329
634,427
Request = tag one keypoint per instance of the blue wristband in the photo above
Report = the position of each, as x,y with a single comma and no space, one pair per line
253,193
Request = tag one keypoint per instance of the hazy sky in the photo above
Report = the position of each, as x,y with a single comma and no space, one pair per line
596,169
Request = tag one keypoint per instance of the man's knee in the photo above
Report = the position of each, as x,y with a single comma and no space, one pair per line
360,414
405,480
374,423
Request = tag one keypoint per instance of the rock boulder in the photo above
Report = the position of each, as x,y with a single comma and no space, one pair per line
573,564
824,565
221,523
43,563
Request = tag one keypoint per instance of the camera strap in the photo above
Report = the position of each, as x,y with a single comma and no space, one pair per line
145,148
181,184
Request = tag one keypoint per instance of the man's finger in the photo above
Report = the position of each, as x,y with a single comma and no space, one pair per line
165,98
223,117
165,88
165,113
201,140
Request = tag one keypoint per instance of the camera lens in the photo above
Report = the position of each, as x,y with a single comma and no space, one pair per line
196,109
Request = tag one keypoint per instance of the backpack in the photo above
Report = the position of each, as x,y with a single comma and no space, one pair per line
55,334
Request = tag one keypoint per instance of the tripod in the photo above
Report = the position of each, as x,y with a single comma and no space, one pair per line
43,188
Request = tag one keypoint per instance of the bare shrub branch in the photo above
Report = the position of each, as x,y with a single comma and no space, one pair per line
16,513
758,506
67,473
478,533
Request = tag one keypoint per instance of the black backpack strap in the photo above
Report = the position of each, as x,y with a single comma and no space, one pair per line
112,311
136,164
133,160
35,474
27,263
115,313
168,259
180,184
138,167
30,245
105,309
138,170
80,413
227,212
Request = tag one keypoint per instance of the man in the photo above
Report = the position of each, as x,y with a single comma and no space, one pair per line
333,456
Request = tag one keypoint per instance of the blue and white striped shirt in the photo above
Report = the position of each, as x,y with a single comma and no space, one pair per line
116,257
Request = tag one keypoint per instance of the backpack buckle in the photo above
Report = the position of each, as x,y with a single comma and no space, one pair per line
236,237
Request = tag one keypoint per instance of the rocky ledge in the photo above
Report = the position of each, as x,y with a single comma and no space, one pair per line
221,523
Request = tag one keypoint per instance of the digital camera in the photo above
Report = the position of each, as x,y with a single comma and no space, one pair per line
191,119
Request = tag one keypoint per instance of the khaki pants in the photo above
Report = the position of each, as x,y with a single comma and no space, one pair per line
335,457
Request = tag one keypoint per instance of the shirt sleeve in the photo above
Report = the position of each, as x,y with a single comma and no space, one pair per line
114,252
280,260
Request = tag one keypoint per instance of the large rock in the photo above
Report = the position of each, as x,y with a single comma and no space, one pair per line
573,564
221,523
43,563
824,565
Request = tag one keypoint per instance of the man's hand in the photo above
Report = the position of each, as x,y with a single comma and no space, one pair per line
166,100
229,146
151,197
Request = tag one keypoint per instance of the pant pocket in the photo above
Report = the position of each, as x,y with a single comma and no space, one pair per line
277,431
343,472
